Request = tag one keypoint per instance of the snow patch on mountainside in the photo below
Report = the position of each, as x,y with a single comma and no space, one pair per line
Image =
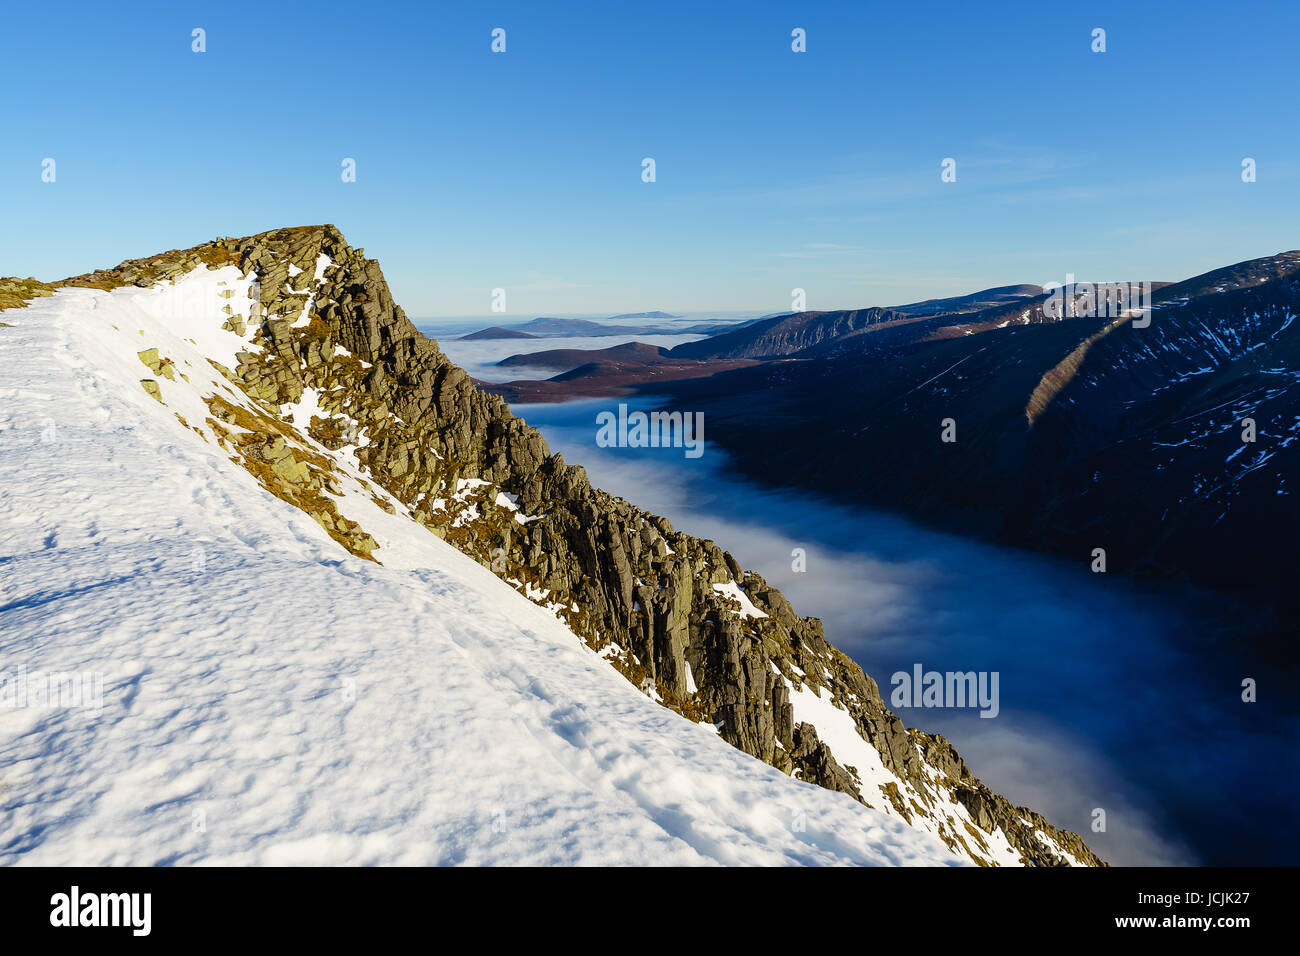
732,590
268,697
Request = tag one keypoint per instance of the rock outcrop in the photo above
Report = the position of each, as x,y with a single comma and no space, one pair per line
677,615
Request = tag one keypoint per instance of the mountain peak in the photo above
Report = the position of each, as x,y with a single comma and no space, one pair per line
286,351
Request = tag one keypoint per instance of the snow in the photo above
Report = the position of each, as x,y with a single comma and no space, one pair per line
836,728
465,487
732,590
323,262
302,411
190,309
511,503
269,699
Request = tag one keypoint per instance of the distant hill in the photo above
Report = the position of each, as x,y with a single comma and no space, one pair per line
496,332
973,301
788,333
644,315
565,359
717,328
784,334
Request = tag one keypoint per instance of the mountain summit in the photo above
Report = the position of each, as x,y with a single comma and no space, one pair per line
280,362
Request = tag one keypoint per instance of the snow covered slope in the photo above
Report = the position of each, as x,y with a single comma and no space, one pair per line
246,499
248,691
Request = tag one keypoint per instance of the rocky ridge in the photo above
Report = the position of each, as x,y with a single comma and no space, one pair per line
677,615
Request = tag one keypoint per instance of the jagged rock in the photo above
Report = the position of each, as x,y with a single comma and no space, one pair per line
815,764
159,366
623,580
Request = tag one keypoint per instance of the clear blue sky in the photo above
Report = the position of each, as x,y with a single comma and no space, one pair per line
522,170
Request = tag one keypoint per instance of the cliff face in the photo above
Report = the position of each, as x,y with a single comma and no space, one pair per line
678,616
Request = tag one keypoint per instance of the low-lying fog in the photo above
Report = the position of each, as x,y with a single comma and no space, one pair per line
1108,696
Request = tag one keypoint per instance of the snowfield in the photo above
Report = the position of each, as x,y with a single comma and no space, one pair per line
257,695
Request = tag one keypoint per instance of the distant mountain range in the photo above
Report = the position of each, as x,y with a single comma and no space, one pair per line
544,327
1073,431
547,327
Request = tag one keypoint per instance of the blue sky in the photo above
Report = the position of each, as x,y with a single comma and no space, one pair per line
775,169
